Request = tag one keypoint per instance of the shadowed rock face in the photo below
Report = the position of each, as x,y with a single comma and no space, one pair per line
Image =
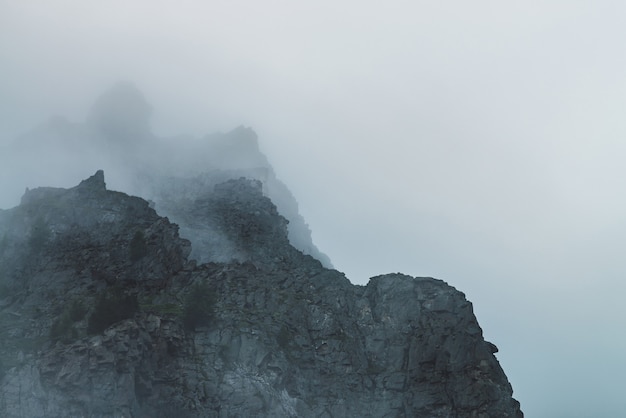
285,337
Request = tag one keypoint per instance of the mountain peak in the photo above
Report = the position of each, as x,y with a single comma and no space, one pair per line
95,182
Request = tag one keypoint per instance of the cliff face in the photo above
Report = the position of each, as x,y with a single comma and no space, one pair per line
102,314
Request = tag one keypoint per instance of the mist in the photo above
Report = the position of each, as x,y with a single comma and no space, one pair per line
479,143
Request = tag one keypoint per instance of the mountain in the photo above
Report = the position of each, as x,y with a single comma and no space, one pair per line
168,171
103,314
194,300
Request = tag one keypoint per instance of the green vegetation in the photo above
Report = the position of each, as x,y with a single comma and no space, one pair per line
4,243
112,306
147,303
77,310
40,235
137,247
63,328
199,305
284,337
162,308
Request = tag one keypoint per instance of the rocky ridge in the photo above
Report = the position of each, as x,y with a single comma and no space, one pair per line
275,333
171,172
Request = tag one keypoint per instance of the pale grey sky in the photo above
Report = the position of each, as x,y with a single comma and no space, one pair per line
478,142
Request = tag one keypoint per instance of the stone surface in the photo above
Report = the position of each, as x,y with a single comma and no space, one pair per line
287,337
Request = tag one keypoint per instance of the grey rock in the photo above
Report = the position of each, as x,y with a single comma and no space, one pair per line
286,337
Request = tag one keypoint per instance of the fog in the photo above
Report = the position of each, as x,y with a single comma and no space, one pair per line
481,143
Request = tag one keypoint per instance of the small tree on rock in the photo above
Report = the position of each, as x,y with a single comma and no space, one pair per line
199,305
40,235
138,247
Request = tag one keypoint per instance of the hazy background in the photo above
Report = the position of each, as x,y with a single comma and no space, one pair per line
480,142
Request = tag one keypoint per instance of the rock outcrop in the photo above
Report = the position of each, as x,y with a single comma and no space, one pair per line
170,172
103,314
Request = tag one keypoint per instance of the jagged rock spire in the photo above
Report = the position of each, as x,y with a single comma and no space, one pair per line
95,182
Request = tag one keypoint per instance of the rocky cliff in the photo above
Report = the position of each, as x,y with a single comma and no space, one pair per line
103,314
171,172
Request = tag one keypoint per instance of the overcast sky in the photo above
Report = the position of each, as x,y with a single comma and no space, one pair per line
479,142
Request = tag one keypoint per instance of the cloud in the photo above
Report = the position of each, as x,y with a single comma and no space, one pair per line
478,142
